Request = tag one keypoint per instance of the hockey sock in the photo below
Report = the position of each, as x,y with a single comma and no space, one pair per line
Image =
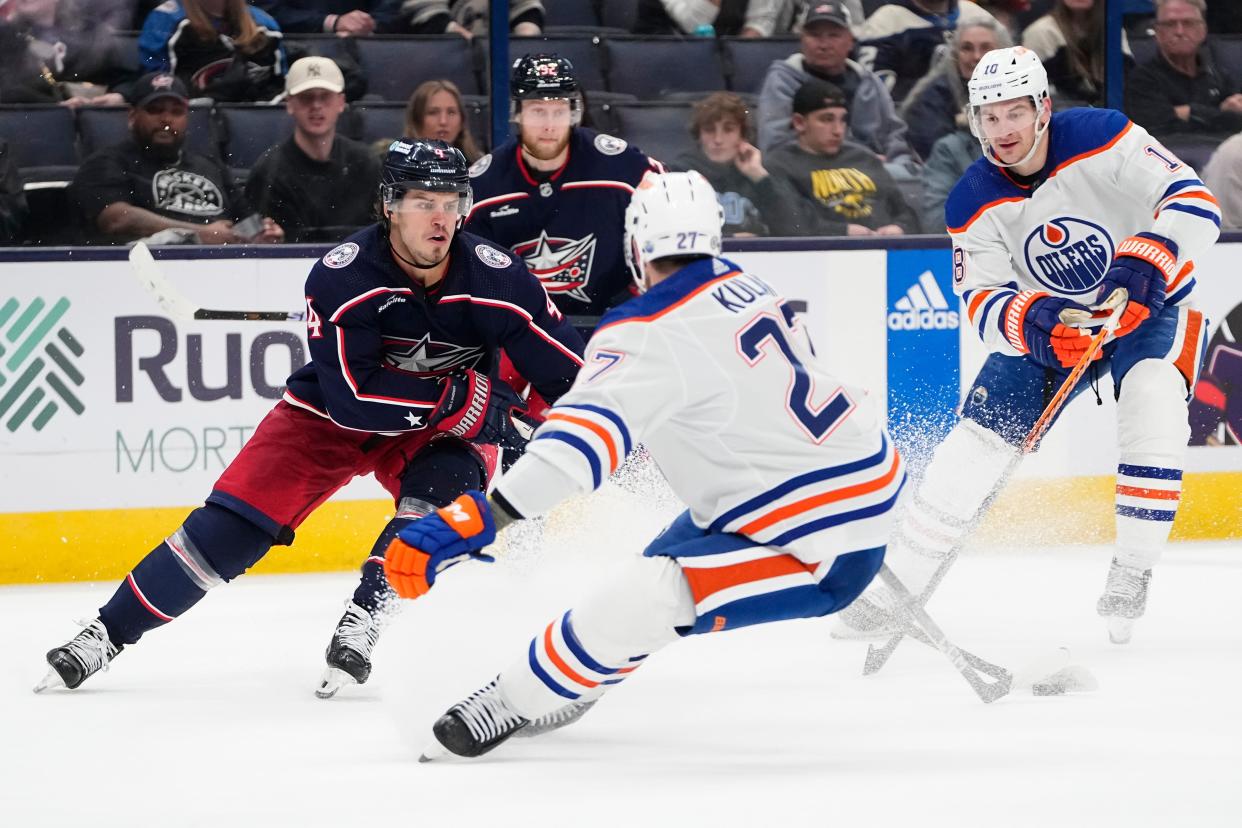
1153,430
213,546
373,592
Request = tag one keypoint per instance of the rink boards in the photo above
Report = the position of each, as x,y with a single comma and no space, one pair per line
115,418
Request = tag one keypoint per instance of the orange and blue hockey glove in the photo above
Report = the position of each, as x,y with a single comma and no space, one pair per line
1047,328
1144,267
432,544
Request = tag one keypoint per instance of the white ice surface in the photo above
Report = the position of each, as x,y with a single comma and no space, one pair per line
212,721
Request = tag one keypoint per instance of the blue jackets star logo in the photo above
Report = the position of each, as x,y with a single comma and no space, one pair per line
427,356
563,265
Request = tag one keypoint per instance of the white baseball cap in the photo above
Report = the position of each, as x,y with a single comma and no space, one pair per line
314,73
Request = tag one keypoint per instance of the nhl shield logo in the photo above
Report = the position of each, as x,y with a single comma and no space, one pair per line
1068,255
562,265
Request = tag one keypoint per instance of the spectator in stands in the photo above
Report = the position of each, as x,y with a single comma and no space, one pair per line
60,51
1182,89
317,185
13,209
1070,42
1006,12
901,38
754,202
467,17
845,188
1223,175
826,46
151,183
344,18
745,18
930,109
221,49
435,110
944,167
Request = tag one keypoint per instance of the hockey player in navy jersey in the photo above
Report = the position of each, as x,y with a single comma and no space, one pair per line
556,193
790,484
404,323
1065,217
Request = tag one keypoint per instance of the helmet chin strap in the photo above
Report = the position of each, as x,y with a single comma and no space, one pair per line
1040,129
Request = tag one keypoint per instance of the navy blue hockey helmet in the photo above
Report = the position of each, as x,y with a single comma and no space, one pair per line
544,76
424,164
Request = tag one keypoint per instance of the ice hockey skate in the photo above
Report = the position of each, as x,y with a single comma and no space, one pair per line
1124,600
83,656
349,651
558,718
472,727
869,618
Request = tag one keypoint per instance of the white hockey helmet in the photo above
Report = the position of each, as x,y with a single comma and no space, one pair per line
1005,75
671,214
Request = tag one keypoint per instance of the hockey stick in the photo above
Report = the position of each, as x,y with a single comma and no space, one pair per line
919,623
877,657
149,275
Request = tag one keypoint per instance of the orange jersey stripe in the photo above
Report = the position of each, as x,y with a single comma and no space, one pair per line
1157,494
1202,195
683,300
560,662
1082,156
1188,360
596,429
705,582
978,300
815,501
1182,275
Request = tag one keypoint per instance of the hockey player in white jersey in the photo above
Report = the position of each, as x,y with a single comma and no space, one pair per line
788,475
1065,211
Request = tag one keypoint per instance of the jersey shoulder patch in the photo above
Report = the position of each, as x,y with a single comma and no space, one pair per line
479,167
341,255
609,144
492,257
1083,132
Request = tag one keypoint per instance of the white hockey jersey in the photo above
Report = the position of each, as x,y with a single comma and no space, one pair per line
1109,179
714,374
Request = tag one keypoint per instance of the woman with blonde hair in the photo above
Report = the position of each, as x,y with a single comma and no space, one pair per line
436,111
222,49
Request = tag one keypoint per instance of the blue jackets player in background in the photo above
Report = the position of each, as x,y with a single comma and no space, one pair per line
789,486
556,193
404,323
1064,218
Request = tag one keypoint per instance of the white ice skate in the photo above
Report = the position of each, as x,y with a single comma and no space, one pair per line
869,618
1124,600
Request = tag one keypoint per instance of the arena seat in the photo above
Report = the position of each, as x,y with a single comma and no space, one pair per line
585,52
747,59
1195,150
245,131
395,66
373,122
570,13
619,14
662,130
652,67
41,141
103,126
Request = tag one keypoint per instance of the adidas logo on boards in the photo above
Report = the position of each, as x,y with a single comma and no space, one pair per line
923,308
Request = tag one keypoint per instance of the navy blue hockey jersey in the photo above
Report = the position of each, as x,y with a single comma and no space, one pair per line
568,228
380,345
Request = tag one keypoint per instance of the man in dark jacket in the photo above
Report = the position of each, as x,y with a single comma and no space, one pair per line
1182,89
345,18
754,203
844,187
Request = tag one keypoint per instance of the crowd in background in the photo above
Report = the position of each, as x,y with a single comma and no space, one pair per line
862,127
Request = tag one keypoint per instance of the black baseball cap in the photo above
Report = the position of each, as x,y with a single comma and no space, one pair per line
833,11
154,86
817,94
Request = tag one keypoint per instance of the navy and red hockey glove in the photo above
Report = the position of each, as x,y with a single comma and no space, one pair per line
1144,267
432,544
1044,326
477,408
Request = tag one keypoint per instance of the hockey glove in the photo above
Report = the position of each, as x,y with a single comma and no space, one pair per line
1143,268
432,544
1044,327
480,409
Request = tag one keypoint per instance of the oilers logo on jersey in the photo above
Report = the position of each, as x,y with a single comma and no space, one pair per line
562,265
1068,255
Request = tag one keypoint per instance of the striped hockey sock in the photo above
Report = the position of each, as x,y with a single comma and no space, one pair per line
1147,500
566,671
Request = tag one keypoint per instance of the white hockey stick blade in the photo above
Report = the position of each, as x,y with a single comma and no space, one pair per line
149,275
1072,679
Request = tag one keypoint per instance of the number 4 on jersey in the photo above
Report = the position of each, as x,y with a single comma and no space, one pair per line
817,421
